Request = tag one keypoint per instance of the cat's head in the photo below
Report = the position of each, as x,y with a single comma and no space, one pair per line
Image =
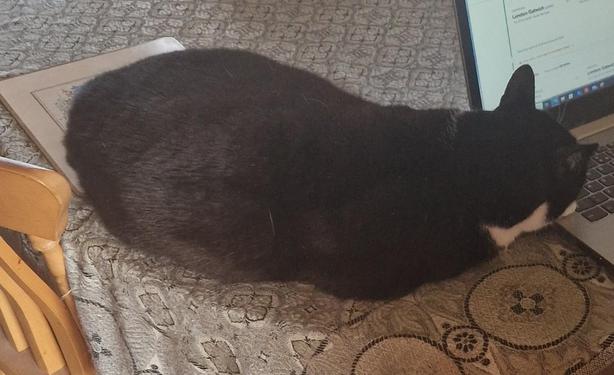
527,168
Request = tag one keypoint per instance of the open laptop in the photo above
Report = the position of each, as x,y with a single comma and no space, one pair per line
570,46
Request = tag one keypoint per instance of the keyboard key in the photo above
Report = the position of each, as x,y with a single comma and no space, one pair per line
583,193
605,169
595,214
602,158
593,186
607,180
584,204
592,201
598,197
592,174
592,164
609,206
610,191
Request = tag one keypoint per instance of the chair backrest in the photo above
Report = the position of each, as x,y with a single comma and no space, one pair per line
33,317
33,200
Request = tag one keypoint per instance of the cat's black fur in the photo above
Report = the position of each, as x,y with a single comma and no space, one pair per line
246,169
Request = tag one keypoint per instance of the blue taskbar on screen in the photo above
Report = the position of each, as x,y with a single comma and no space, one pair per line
555,101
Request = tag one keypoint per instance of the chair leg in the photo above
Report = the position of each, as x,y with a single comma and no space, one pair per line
54,258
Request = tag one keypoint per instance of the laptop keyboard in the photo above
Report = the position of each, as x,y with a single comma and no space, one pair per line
596,199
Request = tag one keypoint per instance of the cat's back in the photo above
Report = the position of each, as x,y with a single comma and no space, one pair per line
183,92
187,70
199,77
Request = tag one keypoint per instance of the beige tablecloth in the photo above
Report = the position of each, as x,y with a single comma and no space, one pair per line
542,307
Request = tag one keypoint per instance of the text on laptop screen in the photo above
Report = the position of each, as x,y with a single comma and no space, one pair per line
568,43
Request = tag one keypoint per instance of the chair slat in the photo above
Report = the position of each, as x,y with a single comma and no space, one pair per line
33,200
41,340
65,329
10,324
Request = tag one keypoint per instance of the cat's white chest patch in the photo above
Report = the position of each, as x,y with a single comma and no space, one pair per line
505,236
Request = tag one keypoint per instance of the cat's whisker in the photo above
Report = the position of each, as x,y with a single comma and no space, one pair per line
314,99
272,223
229,73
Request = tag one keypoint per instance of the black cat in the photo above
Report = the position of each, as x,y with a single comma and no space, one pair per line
246,169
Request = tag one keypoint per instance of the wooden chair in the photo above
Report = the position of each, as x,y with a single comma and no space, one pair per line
40,325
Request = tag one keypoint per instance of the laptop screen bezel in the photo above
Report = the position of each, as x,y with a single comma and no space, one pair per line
468,54
571,114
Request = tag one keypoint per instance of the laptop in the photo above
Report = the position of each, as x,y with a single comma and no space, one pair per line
570,46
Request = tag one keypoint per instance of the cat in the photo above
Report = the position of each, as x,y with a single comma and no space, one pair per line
245,169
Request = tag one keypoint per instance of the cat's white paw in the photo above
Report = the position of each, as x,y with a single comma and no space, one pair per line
503,237
570,210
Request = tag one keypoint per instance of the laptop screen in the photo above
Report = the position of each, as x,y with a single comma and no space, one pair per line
568,43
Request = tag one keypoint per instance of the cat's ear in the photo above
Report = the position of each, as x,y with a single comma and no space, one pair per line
573,159
520,90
